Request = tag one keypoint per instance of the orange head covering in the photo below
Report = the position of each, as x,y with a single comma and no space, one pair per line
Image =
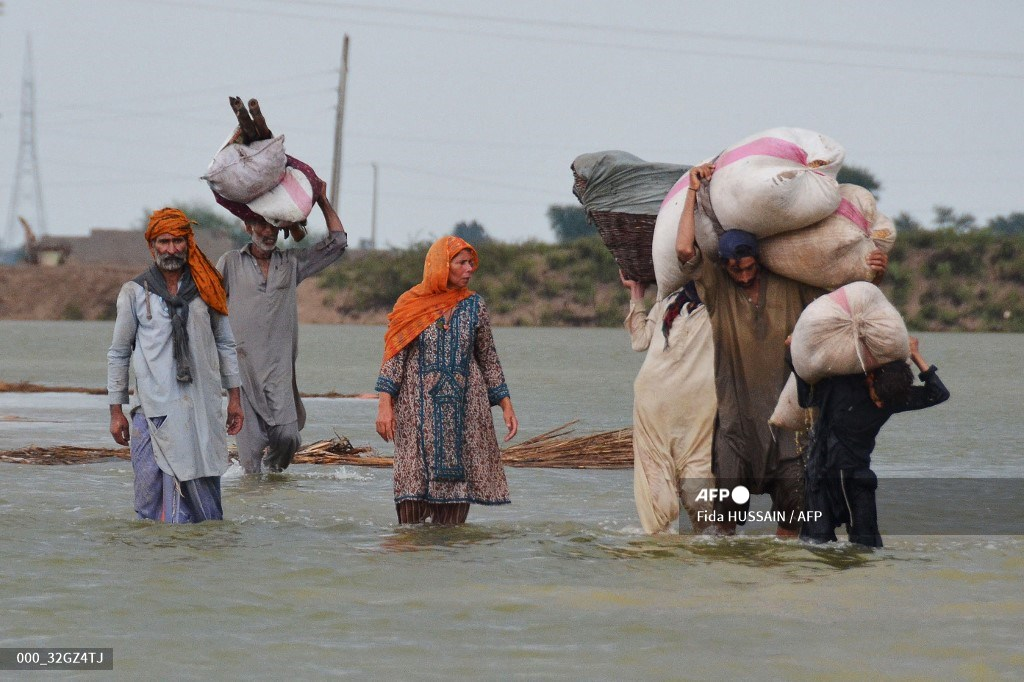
208,281
429,300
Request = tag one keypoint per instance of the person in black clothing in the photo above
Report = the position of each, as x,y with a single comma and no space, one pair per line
852,410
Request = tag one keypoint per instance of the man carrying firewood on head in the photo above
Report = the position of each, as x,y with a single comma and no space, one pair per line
261,281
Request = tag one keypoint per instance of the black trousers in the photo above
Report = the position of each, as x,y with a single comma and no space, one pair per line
846,497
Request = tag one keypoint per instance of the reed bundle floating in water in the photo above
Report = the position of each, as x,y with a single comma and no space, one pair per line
339,451
550,450
62,454
28,387
554,450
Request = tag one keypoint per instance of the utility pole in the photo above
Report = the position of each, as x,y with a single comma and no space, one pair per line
27,166
336,165
373,214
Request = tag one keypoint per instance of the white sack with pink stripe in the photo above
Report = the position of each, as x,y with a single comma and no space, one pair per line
668,271
777,180
833,251
849,331
291,201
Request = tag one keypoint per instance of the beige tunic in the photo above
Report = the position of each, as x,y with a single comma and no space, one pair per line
750,368
673,413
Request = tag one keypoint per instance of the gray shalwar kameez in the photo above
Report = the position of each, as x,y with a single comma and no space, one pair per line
265,320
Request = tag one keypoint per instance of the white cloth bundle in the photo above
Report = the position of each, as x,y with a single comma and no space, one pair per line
240,172
851,330
833,251
777,180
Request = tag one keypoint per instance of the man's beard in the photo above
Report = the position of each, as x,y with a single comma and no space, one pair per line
267,245
170,262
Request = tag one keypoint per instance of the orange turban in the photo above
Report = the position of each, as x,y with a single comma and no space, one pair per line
208,281
429,300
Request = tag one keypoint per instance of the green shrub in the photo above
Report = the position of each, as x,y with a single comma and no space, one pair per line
72,312
1011,270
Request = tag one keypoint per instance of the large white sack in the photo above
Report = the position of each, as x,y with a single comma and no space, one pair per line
777,180
240,172
833,251
788,414
290,201
668,271
849,331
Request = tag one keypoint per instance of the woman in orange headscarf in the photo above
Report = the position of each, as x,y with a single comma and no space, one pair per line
439,379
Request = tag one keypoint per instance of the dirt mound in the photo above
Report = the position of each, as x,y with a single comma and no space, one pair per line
89,292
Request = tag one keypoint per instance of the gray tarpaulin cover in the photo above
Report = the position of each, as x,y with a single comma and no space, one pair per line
620,182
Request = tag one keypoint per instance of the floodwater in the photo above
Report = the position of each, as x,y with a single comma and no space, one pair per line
309,576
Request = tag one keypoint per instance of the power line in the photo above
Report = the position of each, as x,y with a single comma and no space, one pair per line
745,39
741,39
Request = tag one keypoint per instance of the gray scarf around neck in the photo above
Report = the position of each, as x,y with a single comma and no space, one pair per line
177,306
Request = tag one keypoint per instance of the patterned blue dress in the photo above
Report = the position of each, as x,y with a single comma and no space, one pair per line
444,385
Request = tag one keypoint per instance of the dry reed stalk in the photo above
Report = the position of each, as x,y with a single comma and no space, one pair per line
552,449
62,454
28,387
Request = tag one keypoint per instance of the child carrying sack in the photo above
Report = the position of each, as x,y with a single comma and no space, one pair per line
849,331
777,180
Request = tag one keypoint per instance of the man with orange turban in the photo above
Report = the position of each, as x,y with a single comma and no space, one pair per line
172,327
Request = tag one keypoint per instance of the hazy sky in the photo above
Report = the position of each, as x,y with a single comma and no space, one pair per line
473,110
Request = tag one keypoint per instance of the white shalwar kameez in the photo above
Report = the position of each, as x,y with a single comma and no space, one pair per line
674,409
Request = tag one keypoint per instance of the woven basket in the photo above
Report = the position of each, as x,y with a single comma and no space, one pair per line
629,237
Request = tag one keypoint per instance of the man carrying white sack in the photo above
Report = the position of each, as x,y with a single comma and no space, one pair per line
752,311
261,282
673,417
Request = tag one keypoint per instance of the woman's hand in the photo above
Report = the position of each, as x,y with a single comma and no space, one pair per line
385,417
636,289
511,421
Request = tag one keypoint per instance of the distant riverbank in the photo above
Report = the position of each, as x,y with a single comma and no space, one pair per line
940,281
